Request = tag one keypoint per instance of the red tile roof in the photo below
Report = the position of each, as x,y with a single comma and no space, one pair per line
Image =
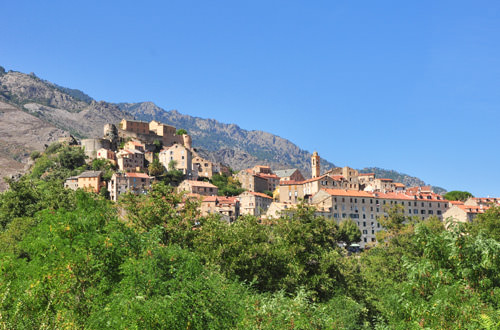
366,174
195,183
259,194
473,209
137,175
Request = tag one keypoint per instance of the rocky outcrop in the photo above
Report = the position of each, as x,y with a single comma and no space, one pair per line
21,134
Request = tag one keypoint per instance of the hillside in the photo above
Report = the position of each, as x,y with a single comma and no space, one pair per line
73,111
65,108
228,142
21,134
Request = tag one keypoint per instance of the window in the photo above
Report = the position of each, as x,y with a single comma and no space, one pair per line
365,232
364,223
439,212
422,211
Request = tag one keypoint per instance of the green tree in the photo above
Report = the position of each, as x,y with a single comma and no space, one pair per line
349,232
172,165
156,168
181,131
457,195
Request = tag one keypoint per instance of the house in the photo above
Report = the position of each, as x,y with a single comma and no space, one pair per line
130,160
198,187
254,203
107,154
136,183
292,174
90,181
71,183
134,145
251,181
227,207
464,213
365,207
177,155
204,168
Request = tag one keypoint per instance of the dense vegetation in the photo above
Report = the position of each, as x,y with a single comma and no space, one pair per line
457,195
76,260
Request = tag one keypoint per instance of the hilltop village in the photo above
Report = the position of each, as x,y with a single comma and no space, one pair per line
141,152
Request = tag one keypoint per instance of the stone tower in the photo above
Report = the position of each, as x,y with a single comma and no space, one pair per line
187,141
315,164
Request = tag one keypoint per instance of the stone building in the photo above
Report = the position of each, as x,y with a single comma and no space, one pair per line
151,132
89,180
130,160
227,207
365,207
136,183
205,168
251,181
254,203
181,156
292,174
107,154
198,187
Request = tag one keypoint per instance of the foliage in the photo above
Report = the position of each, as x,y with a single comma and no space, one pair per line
35,154
349,232
156,168
75,260
228,186
457,195
181,131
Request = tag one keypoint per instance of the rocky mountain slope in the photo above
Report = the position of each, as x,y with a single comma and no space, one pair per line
21,134
81,116
229,143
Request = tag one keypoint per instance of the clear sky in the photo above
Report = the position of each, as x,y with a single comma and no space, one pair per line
407,85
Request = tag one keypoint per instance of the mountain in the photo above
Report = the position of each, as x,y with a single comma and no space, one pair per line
228,143
67,109
20,135
41,111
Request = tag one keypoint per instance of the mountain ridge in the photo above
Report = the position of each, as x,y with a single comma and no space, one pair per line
73,111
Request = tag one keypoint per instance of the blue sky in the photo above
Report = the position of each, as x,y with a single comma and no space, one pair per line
410,86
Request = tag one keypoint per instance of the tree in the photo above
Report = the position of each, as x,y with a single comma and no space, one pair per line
349,232
172,164
181,131
156,168
457,195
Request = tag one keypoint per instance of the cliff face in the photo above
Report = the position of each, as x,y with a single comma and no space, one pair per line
76,113
21,134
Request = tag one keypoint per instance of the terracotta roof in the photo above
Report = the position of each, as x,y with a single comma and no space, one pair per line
337,177
473,209
267,176
399,185
220,199
137,175
366,174
385,179
195,183
456,202
259,194
350,193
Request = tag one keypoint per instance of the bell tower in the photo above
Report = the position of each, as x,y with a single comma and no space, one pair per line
315,159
